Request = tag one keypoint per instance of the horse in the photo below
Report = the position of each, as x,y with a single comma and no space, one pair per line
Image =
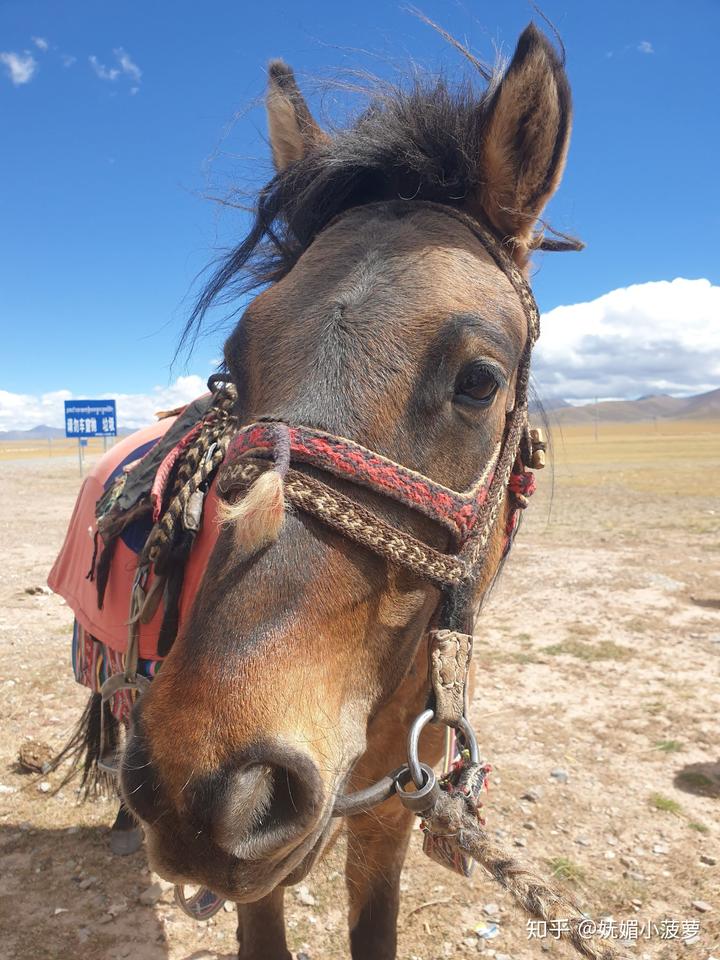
386,349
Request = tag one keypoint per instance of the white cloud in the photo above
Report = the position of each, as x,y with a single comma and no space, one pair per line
20,411
645,47
105,73
21,67
67,59
657,337
41,43
126,67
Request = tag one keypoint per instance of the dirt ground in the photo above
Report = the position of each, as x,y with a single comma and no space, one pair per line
598,704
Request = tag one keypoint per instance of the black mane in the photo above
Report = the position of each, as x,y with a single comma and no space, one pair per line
420,143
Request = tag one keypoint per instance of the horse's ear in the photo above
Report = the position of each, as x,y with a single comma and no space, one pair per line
525,138
293,131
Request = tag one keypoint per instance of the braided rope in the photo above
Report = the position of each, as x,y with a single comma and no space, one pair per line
475,550
355,522
198,463
538,897
453,818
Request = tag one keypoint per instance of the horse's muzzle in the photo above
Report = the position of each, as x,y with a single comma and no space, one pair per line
238,830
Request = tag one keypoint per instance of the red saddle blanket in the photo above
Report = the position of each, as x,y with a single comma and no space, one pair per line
69,575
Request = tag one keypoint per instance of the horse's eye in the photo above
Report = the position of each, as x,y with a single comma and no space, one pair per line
476,386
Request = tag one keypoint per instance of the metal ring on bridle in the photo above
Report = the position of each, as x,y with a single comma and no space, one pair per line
422,800
417,728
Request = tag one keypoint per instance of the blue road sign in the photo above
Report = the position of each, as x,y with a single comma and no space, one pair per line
90,418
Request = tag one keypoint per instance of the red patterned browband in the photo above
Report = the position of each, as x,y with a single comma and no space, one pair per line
350,461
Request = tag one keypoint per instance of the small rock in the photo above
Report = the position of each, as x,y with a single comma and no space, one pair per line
150,895
87,883
533,795
228,906
520,842
4,788
634,875
707,859
58,910
660,848
117,908
559,775
486,931
470,942
38,591
660,580
636,903
530,825
34,756
491,909
609,854
582,841
164,885
628,861
502,956
702,906
43,787
303,956
303,896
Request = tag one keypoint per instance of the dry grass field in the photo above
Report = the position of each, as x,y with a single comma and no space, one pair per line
597,702
33,449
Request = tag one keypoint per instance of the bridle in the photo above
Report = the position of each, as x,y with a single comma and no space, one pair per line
470,517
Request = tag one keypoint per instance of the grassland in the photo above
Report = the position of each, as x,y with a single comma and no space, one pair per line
597,656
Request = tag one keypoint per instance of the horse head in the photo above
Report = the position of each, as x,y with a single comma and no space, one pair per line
384,319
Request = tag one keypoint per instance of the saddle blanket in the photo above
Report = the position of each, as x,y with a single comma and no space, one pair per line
100,635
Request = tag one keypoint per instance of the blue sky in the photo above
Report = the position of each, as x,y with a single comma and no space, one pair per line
120,118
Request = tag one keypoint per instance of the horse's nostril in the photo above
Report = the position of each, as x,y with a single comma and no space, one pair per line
250,797
268,805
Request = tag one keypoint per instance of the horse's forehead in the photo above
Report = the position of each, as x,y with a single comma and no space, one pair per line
419,268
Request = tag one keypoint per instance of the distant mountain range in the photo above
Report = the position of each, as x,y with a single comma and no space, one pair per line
42,432
704,406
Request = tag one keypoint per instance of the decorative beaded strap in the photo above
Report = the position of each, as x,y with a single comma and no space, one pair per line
349,460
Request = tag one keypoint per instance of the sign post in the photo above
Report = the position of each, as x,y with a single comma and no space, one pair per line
89,418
